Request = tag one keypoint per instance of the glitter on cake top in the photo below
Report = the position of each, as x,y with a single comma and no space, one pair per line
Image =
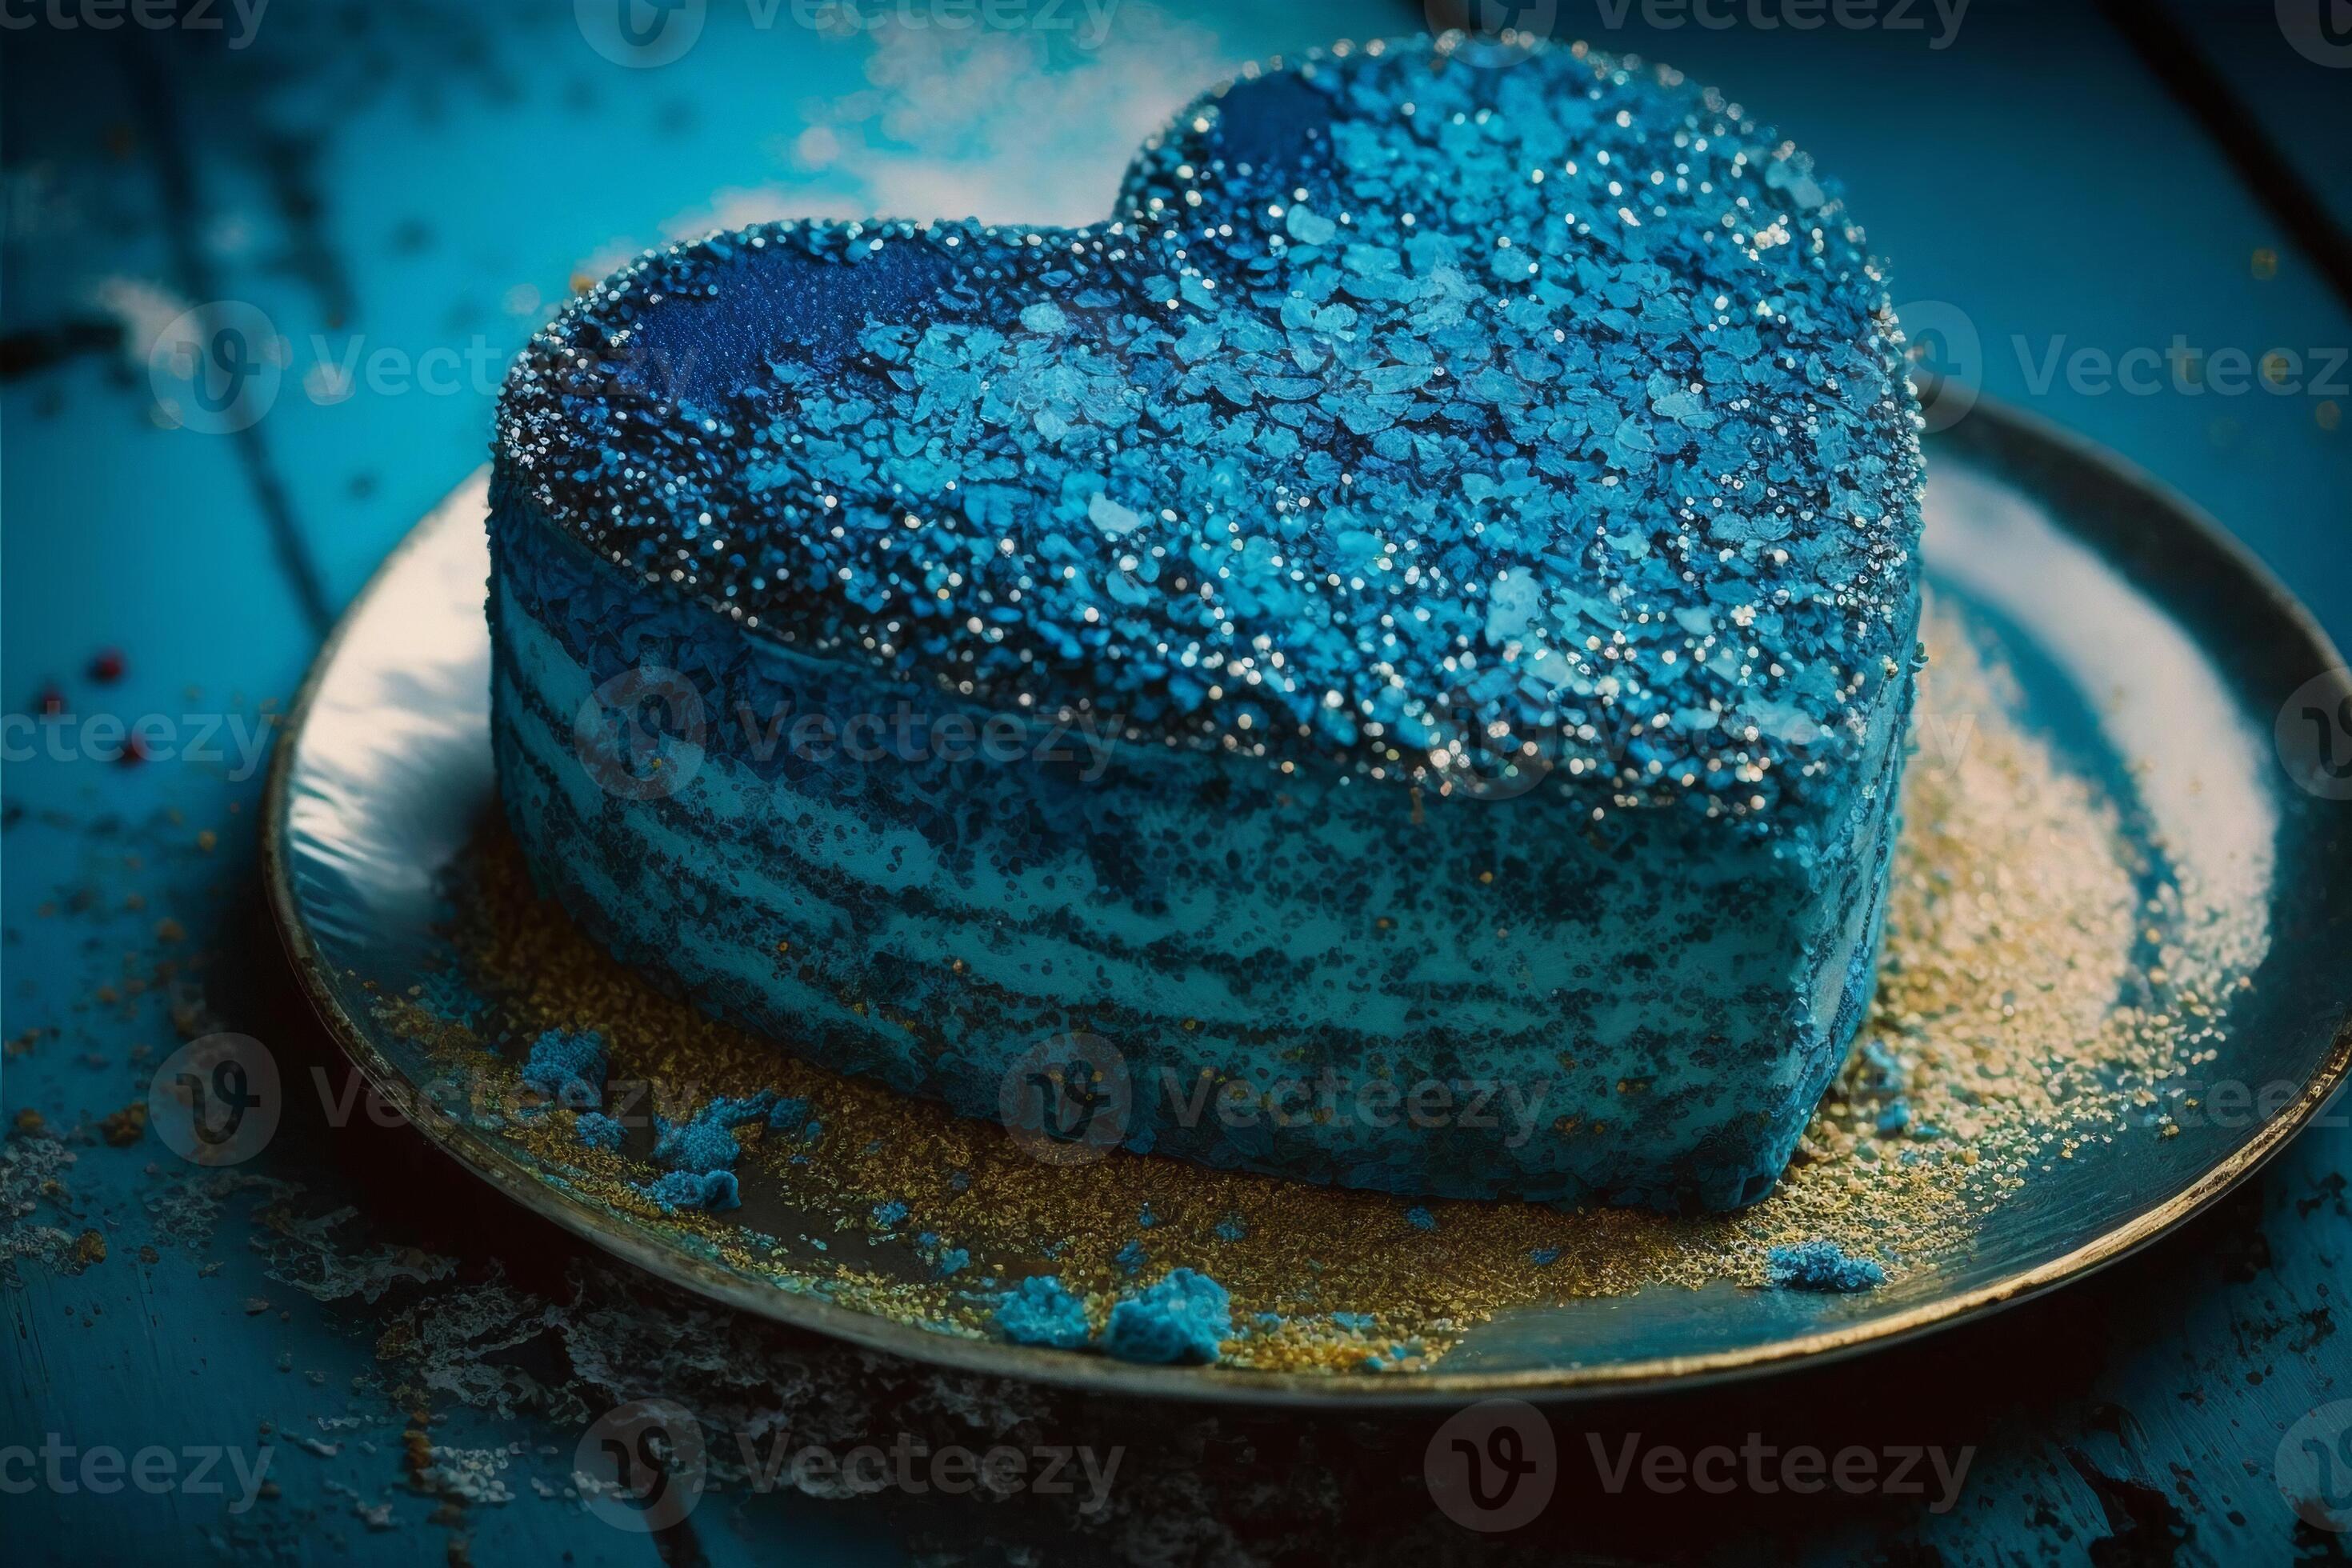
1408,413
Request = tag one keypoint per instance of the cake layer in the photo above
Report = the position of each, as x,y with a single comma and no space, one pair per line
1284,966
1402,642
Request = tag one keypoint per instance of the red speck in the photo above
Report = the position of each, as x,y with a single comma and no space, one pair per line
134,752
107,667
51,702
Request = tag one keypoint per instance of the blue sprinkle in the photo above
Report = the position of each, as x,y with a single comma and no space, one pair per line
1544,1256
1822,1265
1230,1228
1131,1257
891,1213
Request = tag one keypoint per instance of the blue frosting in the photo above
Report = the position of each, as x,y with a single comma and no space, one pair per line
1181,1321
1040,1311
1822,1265
1412,413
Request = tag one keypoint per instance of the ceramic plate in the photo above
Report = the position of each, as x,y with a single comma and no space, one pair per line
2175,689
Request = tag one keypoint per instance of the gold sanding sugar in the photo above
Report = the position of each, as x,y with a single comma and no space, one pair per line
2015,1023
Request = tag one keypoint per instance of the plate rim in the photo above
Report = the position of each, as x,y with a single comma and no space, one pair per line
1083,1373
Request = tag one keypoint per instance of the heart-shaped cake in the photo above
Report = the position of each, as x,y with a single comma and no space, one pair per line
1386,662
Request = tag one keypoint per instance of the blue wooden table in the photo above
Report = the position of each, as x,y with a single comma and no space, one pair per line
403,192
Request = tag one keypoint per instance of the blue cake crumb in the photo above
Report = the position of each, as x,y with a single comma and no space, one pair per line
891,1213
679,1190
1230,1228
1544,1256
790,1113
1420,1218
695,1147
1183,1320
568,1067
1822,1265
1355,1323
1132,1258
1040,1311
598,1130
706,1141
